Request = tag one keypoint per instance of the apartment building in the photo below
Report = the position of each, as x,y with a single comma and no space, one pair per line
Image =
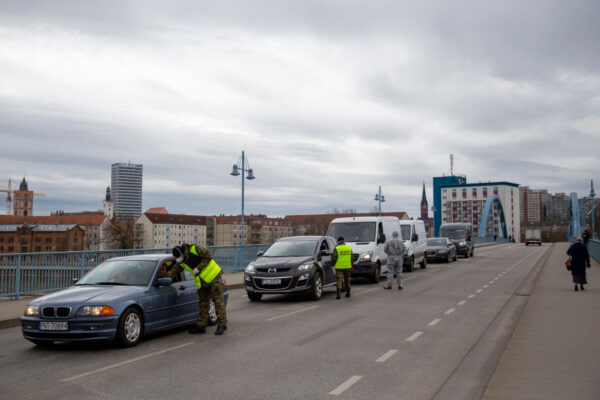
162,230
29,238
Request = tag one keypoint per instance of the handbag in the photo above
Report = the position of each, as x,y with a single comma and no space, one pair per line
568,264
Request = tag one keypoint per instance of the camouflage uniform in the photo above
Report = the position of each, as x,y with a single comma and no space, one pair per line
212,290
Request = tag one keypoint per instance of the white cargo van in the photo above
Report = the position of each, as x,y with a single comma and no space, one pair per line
415,239
366,236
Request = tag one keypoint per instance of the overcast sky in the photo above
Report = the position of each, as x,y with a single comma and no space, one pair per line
329,99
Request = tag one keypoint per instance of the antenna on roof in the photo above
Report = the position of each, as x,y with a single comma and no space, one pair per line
451,164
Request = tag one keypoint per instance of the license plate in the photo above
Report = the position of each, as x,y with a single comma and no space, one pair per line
271,281
54,326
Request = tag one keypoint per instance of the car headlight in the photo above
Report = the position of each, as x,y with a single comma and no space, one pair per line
366,256
96,310
305,267
32,310
250,268
462,243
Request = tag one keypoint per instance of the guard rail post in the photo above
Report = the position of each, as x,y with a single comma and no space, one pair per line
18,277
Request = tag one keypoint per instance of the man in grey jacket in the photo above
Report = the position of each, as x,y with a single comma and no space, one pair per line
395,252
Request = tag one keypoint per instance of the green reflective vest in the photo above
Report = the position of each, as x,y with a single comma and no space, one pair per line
344,259
207,274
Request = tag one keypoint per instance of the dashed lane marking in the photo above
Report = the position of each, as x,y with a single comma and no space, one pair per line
479,290
434,322
450,311
344,386
126,362
386,356
490,282
367,291
291,313
471,296
414,336
486,286
460,303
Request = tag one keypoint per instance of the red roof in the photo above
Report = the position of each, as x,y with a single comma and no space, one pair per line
157,210
83,220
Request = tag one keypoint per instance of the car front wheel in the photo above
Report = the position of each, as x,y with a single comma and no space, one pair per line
317,287
376,274
254,296
130,328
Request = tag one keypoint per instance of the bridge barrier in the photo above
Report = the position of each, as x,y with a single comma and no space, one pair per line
34,273
594,249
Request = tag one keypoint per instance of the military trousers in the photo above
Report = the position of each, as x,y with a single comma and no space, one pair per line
342,274
394,267
211,291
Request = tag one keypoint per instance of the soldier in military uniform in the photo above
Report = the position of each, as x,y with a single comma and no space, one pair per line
342,261
198,261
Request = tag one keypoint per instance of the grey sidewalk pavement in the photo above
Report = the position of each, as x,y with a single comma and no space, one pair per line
554,352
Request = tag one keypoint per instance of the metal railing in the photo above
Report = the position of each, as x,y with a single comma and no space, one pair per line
34,273
594,249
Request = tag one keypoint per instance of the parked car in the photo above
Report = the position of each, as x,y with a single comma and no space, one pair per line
366,236
120,300
297,264
461,235
415,239
441,249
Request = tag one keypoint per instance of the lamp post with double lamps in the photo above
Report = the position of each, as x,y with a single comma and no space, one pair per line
243,166
380,198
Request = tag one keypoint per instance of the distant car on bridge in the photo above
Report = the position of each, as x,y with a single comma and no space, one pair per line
120,300
441,249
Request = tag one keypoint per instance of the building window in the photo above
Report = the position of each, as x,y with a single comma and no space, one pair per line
474,194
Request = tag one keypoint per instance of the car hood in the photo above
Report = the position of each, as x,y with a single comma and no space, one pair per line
437,248
92,294
281,262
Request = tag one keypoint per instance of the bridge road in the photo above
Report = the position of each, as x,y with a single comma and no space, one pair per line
409,344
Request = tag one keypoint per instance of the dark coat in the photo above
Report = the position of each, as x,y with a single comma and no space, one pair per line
579,258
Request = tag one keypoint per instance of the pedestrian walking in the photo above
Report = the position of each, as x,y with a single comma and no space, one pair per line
198,261
580,258
395,250
342,262
586,237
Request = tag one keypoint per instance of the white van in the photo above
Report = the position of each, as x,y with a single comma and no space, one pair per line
415,239
366,236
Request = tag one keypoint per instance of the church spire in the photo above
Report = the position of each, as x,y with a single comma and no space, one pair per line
424,197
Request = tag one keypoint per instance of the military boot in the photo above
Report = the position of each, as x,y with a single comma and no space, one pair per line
197,330
220,329
348,293
338,294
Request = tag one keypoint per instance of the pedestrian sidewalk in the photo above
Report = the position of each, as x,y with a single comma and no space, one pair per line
554,352
11,309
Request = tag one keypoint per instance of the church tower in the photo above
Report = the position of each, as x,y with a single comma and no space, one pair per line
23,200
424,205
108,204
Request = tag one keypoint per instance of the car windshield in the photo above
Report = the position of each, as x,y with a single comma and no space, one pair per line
353,231
436,242
291,248
454,233
405,232
120,272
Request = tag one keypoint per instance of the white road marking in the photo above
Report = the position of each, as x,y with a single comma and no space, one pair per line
126,362
490,282
471,296
367,291
291,313
460,303
479,290
344,386
386,356
486,286
434,322
414,336
450,311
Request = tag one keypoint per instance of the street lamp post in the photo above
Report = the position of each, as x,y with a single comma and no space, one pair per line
242,165
592,195
380,198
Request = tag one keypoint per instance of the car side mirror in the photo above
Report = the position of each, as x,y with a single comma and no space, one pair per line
164,281
75,280
415,237
260,253
325,253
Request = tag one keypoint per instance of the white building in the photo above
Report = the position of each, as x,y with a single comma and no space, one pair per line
167,230
466,202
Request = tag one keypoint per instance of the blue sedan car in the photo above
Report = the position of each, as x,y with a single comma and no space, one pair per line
120,300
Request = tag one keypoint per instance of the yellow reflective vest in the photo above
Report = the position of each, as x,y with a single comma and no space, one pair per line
344,259
208,273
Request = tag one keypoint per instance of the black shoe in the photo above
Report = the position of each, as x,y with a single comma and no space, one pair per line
399,287
338,294
348,293
220,329
576,288
197,330
581,287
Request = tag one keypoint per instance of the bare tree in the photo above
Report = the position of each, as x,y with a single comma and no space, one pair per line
119,234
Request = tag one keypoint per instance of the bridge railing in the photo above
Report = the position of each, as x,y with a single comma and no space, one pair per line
487,239
34,273
594,249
